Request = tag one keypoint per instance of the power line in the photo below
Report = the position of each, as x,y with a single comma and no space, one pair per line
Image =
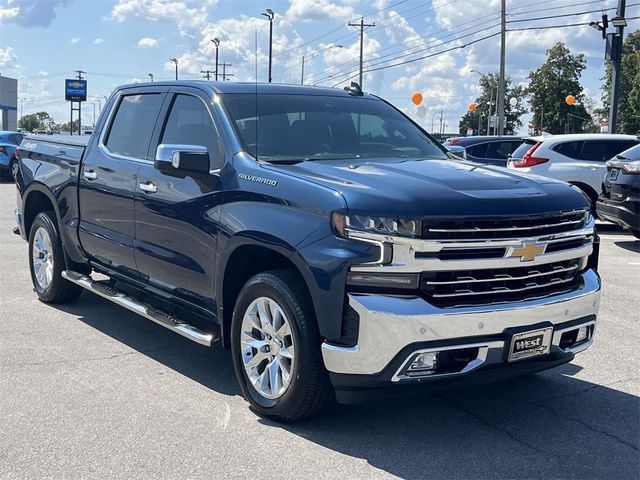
555,7
560,26
567,14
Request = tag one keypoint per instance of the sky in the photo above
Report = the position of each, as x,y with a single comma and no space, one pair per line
42,42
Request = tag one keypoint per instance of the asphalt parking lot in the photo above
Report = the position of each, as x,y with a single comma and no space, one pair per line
88,390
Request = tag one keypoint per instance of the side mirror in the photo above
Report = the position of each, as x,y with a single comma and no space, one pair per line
192,158
458,151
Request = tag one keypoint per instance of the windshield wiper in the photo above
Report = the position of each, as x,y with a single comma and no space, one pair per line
331,156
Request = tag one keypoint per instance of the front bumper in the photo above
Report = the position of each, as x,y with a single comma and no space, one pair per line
393,329
625,214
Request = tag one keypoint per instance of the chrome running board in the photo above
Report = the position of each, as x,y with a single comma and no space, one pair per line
147,311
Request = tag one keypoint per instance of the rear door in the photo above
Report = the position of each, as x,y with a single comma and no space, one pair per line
593,158
176,219
109,175
498,152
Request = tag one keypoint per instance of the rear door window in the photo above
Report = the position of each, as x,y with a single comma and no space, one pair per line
478,151
570,149
131,128
498,150
603,150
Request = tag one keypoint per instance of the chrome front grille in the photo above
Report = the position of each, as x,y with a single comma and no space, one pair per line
510,227
476,287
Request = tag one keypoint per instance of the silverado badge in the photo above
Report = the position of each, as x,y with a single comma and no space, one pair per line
527,251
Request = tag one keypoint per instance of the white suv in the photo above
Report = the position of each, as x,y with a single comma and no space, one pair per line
579,159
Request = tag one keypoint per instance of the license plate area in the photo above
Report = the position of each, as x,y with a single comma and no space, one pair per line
614,174
530,344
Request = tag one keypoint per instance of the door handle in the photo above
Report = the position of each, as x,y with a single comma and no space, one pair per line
89,174
148,187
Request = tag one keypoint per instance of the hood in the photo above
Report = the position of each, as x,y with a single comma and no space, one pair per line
425,187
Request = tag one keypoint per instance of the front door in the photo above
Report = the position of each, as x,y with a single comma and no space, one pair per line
109,177
177,211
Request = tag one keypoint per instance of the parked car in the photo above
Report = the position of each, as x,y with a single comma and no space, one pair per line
9,140
619,201
579,159
319,234
491,150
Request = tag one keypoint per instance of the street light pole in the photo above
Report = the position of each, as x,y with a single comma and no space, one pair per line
269,14
614,49
482,75
21,109
216,42
150,76
501,80
175,61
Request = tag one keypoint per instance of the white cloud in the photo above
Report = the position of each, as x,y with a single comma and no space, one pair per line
308,10
43,74
31,13
6,56
189,16
98,41
75,40
147,42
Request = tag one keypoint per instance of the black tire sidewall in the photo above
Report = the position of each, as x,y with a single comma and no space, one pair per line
48,294
269,285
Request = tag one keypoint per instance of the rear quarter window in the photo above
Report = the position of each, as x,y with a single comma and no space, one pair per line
522,149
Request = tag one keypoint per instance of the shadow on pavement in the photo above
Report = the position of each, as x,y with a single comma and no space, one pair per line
212,367
549,425
631,245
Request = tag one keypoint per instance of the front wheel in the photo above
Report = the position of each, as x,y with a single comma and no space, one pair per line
46,261
13,168
276,348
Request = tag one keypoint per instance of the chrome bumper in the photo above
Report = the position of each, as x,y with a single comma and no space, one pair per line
388,324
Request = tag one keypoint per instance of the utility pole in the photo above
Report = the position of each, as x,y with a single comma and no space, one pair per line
206,73
501,83
361,26
269,14
440,124
614,53
224,73
216,42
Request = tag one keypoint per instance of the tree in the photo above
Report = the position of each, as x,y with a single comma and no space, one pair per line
629,99
486,104
550,85
36,121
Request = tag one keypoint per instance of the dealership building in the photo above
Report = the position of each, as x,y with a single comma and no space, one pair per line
8,103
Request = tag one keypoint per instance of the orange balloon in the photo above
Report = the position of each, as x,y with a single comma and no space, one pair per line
416,98
472,107
570,99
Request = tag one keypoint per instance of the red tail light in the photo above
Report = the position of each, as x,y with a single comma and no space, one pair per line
529,160
453,141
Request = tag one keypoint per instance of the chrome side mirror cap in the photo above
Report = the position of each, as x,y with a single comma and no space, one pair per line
193,158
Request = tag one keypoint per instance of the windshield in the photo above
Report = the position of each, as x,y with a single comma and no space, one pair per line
315,127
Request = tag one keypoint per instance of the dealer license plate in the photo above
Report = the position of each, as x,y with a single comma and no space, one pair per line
530,344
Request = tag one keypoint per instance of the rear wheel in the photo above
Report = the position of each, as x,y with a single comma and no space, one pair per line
276,348
46,261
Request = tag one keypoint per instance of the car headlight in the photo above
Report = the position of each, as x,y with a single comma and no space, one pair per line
631,167
400,227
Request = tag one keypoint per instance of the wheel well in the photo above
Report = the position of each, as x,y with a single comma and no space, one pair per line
36,202
245,262
591,193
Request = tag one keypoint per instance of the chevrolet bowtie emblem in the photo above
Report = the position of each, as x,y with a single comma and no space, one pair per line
528,251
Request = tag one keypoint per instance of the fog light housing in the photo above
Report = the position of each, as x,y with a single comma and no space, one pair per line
582,335
424,361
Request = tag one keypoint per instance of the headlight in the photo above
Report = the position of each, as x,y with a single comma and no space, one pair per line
631,167
401,227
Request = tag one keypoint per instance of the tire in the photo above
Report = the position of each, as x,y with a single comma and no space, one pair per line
49,262
308,390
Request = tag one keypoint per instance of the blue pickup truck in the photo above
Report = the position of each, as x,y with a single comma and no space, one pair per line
326,240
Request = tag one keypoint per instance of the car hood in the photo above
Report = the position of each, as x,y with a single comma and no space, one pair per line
429,187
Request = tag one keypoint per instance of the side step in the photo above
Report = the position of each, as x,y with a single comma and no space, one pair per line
147,311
